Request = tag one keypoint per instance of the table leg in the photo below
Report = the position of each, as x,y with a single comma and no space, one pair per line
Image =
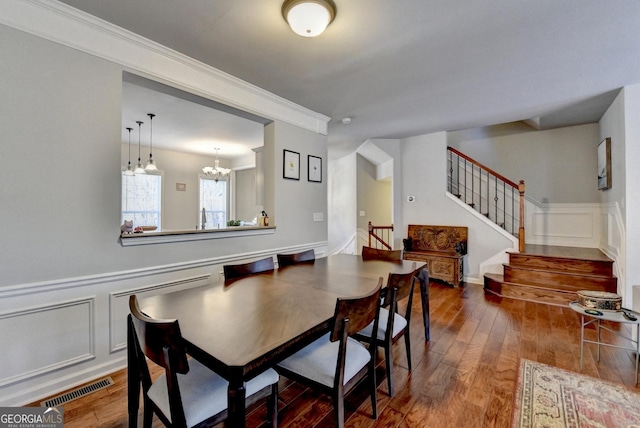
599,339
133,377
423,277
236,395
637,350
582,343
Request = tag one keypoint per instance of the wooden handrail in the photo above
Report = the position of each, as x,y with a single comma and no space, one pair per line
373,234
520,187
478,164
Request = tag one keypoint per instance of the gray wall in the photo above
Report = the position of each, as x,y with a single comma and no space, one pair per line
64,276
62,114
555,164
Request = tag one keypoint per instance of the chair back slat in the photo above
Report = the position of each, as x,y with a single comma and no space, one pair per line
369,253
158,338
402,282
291,259
245,269
359,311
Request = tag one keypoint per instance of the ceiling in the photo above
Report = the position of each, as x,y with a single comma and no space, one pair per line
409,67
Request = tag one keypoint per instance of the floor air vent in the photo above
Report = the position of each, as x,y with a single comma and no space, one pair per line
77,393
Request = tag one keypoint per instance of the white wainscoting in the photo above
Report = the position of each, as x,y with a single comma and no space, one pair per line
61,333
571,225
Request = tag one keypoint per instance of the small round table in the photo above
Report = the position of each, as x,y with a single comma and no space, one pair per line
607,316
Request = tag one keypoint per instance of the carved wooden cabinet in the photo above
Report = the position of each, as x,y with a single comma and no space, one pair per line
443,249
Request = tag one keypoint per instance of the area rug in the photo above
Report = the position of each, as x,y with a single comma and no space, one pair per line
549,397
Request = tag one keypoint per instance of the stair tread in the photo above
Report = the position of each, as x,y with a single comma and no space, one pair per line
572,253
558,271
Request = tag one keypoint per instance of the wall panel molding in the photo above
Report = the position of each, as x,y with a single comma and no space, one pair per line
71,323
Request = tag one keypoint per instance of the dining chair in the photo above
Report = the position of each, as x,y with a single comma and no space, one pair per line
391,325
335,363
369,253
187,394
291,259
245,269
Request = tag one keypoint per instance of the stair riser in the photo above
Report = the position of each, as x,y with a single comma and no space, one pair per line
590,267
521,292
559,280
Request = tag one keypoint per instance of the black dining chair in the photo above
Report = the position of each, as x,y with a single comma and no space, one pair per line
246,269
391,325
369,253
291,259
187,394
335,363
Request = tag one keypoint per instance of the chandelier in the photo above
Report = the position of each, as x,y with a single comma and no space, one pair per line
216,173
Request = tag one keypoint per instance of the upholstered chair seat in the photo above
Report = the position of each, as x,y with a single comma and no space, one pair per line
203,392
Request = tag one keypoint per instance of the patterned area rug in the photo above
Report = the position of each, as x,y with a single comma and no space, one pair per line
551,397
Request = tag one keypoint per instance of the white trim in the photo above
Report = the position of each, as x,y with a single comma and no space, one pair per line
83,281
17,397
193,235
71,27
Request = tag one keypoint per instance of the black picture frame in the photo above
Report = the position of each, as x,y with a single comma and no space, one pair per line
290,165
314,169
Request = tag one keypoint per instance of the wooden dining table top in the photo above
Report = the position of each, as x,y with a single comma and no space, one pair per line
249,324
240,323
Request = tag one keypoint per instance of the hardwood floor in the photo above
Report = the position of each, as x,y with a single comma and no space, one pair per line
464,377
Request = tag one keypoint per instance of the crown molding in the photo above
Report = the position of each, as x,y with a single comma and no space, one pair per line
63,24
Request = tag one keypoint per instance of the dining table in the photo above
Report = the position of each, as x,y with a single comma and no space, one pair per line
242,327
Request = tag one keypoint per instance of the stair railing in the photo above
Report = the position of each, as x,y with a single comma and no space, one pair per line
489,193
381,236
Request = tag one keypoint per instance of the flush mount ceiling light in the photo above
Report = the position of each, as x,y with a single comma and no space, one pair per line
308,18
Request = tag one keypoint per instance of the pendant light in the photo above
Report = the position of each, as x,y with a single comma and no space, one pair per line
308,18
151,165
129,171
217,173
139,167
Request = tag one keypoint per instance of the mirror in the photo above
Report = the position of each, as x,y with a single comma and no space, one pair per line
183,137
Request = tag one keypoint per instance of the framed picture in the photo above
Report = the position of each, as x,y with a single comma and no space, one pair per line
291,165
604,164
314,169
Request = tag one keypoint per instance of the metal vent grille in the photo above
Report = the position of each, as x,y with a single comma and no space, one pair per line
77,393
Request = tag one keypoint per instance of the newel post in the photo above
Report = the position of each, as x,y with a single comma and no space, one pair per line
521,229
370,231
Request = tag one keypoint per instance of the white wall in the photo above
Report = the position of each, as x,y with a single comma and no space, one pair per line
246,206
557,165
342,178
374,197
631,203
424,176
621,203
61,263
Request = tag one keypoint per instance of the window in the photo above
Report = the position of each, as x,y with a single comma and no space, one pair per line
141,199
213,200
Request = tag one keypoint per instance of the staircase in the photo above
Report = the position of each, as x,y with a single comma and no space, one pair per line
553,275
